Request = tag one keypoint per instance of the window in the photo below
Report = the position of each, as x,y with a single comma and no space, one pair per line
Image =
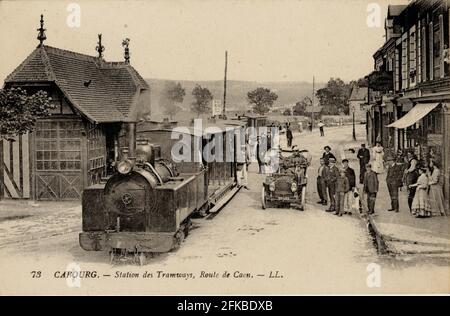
412,57
405,63
397,69
424,54
96,148
419,53
58,145
436,51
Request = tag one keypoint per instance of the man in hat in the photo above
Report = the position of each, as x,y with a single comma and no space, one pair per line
330,179
394,181
342,188
411,176
371,188
289,136
321,125
327,154
350,174
321,183
364,158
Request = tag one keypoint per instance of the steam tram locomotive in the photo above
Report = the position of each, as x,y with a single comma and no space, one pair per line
146,205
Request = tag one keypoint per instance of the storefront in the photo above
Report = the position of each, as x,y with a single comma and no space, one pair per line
425,129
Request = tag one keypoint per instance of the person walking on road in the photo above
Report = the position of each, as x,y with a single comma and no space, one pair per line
321,183
331,177
394,182
289,136
342,188
242,168
364,159
261,149
328,154
435,194
371,186
321,127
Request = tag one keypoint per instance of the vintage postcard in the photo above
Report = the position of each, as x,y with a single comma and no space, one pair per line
212,147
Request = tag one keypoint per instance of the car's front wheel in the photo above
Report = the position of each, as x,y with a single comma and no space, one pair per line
263,198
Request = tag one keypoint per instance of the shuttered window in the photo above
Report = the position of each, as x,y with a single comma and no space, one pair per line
412,57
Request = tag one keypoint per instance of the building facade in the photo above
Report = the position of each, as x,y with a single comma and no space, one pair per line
357,103
74,146
411,111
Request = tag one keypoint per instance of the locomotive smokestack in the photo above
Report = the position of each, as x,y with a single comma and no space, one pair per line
132,140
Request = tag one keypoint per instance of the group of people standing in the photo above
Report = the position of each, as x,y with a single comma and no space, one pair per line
425,194
422,180
335,184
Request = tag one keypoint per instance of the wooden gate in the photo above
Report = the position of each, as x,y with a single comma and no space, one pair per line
58,162
15,167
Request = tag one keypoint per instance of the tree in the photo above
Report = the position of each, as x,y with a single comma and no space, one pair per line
261,99
334,97
202,97
300,107
287,112
173,94
361,82
19,111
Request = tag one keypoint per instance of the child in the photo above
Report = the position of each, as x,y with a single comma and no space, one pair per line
342,187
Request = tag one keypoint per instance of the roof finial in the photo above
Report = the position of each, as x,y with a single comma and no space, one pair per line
100,48
126,55
41,36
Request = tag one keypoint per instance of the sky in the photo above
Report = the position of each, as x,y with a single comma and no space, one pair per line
266,40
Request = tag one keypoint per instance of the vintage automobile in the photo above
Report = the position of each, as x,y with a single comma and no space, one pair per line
287,186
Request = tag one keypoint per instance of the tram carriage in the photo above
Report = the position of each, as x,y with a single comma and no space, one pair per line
146,205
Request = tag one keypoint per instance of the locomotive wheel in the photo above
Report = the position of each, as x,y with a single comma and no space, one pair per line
187,227
263,198
178,238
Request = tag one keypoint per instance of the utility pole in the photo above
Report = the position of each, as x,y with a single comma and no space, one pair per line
225,85
354,132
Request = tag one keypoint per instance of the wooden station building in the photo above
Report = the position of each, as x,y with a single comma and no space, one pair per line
72,148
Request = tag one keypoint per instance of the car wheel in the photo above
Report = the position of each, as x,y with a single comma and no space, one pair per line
303,201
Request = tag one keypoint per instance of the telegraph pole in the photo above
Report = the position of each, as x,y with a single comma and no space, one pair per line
354,132
225,85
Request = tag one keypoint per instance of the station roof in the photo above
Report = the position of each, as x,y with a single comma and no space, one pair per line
102,91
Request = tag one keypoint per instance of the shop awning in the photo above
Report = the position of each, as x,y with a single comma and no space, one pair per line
414,115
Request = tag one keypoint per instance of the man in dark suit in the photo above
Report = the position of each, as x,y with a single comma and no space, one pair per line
349,173
394,181
371,188
364,158
321,184
330,179
289,136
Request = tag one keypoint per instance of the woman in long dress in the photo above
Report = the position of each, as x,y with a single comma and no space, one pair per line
420,205
435,193
378,154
